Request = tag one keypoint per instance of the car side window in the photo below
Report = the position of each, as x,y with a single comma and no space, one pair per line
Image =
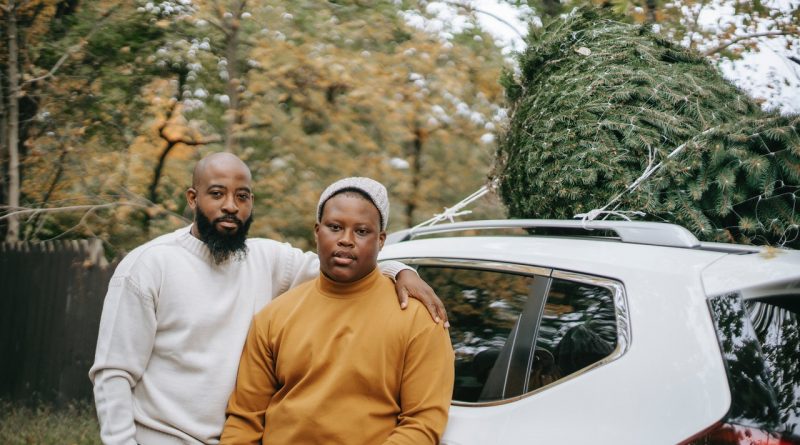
513,333
776,324
577,329
484,307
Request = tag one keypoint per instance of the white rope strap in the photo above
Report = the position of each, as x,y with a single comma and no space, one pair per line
457,210
648,172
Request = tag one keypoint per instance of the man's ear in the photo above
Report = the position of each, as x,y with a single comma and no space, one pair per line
191,197
316,233
382,238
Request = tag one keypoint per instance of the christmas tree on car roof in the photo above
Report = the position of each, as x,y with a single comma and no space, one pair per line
599,104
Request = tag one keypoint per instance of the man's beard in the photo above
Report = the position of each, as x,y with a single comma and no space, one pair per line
223,245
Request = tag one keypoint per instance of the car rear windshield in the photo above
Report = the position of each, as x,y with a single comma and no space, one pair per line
760,341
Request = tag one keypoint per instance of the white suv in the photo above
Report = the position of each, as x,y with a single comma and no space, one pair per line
606,332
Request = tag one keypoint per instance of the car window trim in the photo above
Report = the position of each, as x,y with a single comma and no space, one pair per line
620,307
616,287
464,263
623,328
530,320
515,359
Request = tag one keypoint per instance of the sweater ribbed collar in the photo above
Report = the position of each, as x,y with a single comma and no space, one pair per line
199,248
194,245
335,289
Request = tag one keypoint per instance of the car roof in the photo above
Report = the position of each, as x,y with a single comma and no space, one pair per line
638,232
646,247
770,272
594,256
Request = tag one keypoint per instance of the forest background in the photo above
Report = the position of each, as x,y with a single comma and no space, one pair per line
105,106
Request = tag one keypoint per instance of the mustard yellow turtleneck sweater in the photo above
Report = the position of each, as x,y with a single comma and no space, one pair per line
336,363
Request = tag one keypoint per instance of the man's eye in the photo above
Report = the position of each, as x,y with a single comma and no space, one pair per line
362,232
244,196
215,194
334,227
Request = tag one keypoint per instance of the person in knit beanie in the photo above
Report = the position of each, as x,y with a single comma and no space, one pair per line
334,360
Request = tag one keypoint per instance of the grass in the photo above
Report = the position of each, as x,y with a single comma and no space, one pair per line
45,424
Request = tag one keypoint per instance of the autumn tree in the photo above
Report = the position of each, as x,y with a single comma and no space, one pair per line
17,18
84,67
306,92
336,89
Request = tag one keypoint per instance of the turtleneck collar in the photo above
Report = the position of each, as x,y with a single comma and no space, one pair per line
335,289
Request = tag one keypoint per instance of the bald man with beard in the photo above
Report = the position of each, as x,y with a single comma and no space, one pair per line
178,309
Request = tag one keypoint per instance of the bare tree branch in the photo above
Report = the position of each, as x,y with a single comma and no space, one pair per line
735,40
80,223
34,220
216,25
470,8
171,143
694,24
20,211
73,49
143,204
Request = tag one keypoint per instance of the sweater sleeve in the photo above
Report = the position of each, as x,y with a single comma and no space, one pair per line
256,383
292,266
124,344
391,268
426,387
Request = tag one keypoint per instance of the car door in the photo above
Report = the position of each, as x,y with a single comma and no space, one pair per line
516,331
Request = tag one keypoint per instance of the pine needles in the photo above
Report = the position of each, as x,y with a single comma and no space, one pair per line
598,102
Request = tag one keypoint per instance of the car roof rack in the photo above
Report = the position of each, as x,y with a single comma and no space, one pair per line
636,232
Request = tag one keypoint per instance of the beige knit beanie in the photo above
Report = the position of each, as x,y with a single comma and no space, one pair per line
373,189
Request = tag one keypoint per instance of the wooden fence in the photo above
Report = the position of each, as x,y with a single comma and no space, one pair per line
51,296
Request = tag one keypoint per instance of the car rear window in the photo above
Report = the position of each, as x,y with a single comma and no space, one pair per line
760,341
776,322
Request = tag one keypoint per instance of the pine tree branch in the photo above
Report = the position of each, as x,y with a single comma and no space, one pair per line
735,40
651,169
